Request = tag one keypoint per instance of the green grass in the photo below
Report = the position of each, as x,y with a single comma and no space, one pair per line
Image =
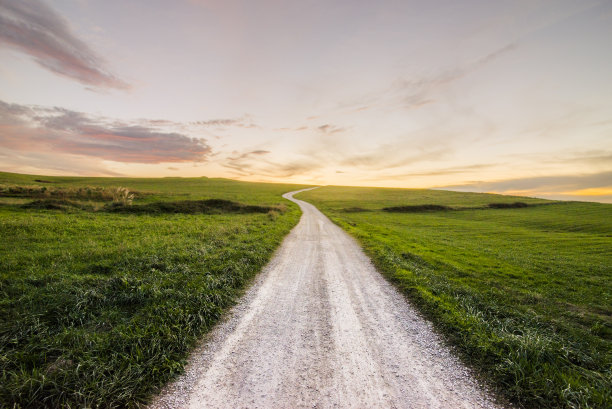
160,189
523,293
99,308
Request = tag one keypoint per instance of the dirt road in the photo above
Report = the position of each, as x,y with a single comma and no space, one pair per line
321,328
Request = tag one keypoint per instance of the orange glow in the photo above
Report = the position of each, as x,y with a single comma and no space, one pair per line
596,191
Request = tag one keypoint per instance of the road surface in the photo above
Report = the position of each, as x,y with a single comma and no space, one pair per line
321,328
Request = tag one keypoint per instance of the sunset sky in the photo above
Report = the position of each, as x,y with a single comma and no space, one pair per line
509,97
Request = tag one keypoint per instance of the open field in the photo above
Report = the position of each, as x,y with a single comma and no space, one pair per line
524,292
99,306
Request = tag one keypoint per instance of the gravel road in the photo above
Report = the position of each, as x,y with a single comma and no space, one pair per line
321,328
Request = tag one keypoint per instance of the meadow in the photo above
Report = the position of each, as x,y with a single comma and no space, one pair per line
106,284
521,287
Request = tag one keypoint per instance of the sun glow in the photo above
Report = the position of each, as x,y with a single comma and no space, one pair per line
597,191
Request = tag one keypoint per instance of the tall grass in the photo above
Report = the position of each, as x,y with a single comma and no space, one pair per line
123,196
95,193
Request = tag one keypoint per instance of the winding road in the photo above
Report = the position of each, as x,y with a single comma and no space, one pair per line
321,328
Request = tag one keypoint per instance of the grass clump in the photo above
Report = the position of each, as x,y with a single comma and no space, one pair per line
514,205
99,309
525,296
210,206
354,209
87,193
437,208
54,204
417,208
122,196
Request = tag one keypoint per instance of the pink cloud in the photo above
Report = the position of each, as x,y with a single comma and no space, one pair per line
34,28
36,129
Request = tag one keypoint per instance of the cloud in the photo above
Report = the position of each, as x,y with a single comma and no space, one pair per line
438,172
50,163
256,163
394,155
590,157
244,122
246,155
33,128
217,122
330,129
266,168
35,29
578,187
297,129
559,183
415,92
420,92
321,152
292,169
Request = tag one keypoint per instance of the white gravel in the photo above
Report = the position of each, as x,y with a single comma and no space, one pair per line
321,328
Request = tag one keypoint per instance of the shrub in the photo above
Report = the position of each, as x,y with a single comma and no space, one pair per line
417,208
514,205
123,196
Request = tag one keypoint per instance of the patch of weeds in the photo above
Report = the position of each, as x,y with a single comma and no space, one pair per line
515,205
209,206
92,193
417,208
55,204
122,196
354,210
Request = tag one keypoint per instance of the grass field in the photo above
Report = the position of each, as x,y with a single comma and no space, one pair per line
523,291
99,305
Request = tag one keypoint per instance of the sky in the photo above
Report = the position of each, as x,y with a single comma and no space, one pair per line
511,97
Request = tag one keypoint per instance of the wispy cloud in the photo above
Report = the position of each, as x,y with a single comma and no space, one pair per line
50,163
243,122
217,122
415,93
590,157
257,163
596,185
246,155
389,156
34,128
35,29
412,92
330,129
439,172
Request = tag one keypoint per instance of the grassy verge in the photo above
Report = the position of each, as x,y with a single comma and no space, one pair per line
99,308
524,291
